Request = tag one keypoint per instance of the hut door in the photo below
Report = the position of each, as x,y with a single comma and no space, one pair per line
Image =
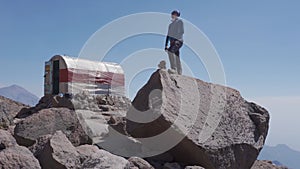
48,78
55,77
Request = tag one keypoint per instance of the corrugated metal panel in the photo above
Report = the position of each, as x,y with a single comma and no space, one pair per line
77,63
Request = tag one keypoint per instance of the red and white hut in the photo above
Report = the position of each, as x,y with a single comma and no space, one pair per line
67,75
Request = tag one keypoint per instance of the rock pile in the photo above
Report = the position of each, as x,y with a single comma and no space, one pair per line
14,156
100,103
203,126
80,101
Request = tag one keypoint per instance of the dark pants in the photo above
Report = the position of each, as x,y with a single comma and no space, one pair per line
174,57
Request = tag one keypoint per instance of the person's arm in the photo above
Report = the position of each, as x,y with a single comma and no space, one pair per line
167,42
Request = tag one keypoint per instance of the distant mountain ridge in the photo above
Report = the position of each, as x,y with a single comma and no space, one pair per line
19,94
282,154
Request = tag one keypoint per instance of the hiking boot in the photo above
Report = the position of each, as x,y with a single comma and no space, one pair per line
172,71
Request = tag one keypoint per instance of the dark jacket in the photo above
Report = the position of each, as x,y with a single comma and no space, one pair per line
175,31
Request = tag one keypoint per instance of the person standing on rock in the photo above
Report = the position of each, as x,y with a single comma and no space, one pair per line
175,37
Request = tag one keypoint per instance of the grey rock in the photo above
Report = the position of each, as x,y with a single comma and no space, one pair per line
100,103
85,151
93,123
40,144
90,153
58,101
162,65
8,110
48,121
6,140
211,125
18,157
193,167
103,159
119,144
139,163
46,102
13,156
59,153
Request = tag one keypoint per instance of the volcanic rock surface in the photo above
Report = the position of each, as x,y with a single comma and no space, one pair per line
174,122
213,125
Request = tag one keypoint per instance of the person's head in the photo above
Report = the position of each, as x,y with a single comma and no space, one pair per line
175,14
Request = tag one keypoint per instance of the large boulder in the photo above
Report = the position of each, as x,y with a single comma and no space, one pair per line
93,157
18,157
59,153
48,121
8,110
210,125
6,140
13,156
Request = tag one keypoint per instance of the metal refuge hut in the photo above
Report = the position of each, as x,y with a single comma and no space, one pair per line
68,75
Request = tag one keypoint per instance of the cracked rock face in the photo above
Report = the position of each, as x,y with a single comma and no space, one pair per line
8,110
13,155
59,153
210,125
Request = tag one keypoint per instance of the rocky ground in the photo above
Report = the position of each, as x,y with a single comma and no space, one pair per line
104,131
266,165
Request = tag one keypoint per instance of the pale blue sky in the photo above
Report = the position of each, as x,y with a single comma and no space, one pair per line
258,42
